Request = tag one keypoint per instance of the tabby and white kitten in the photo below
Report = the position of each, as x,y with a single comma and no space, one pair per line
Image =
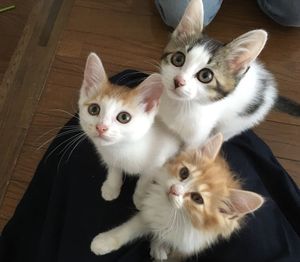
120,121
189,204
212,87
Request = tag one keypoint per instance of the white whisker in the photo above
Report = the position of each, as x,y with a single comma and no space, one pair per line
66,112
55,128
67,147
82,138
55,136
66,141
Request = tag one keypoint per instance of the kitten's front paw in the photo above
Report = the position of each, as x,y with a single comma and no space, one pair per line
159,252
103,244
137,201
110,192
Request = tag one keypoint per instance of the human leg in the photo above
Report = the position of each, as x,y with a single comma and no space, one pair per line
284,12
171,11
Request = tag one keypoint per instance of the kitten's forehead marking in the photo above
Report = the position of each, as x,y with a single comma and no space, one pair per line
121,93
110,108
196,60
209,44
203,187
191,166
182,43
190,42
205,190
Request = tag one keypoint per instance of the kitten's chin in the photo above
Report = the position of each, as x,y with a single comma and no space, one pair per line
104,141
176,201
180,96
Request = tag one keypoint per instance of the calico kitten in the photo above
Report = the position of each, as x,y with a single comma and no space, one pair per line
188,205
120,121
212,87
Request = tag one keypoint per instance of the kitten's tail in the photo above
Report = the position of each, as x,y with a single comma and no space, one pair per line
288,106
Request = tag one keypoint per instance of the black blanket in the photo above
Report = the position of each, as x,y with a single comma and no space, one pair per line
63,210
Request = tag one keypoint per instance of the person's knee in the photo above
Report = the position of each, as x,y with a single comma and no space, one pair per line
171,11
284,12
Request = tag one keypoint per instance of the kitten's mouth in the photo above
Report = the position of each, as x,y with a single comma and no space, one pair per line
104,138
175,201
179,95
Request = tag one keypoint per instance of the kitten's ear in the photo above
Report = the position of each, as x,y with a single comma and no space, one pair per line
244,49
192,20
94,74
150,90
212,147
242,202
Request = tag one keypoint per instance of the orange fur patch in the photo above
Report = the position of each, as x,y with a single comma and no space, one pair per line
212,180
122,93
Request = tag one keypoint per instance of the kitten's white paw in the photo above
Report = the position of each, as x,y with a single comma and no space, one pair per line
110,192
104,243
159,252
137,201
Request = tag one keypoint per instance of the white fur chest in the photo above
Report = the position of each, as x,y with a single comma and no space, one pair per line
151,151
131,158
172,227
188,120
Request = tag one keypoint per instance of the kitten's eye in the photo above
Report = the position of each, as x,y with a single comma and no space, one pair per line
205,75
178,59
197,198
184,173
124,117
94,109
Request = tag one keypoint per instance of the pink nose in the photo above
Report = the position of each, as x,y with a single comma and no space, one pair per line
179,81
176,190
101,128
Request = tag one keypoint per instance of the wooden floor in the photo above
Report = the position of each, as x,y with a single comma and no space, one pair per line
42,73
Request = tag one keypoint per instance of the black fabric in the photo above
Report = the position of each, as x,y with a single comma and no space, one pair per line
63,210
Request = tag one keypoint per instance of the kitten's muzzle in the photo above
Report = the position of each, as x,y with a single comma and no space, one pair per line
101,129
176,190
178,82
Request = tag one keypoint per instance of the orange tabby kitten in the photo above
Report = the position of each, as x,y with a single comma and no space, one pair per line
187,205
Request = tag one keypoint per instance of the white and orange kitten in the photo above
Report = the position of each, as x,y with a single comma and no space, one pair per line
120,121
213,87
189,204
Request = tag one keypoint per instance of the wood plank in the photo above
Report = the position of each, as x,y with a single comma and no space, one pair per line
43,128
55,105
49,23
28,82
16,57
3,222
67,71
11,27
90,20
27,163
14,193
292,167
282,138
135,54
71,44
283,118
129,7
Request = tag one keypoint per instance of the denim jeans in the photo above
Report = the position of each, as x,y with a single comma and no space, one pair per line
284,12
171,11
